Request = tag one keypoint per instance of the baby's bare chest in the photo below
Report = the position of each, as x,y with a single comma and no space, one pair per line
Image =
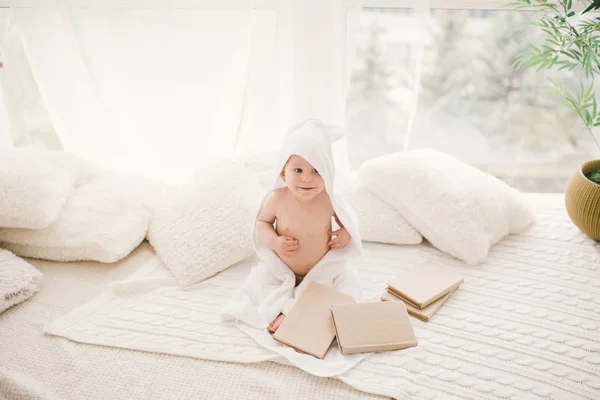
303,220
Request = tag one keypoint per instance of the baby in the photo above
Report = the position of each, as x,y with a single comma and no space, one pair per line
295,221
293,235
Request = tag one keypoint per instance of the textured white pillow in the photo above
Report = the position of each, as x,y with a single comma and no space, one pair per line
208,226
19,280
103,220
459,209
35,183
377,220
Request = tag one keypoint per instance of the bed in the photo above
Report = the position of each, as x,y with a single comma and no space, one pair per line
525,324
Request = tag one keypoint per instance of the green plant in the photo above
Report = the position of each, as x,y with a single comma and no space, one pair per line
571,41
594,176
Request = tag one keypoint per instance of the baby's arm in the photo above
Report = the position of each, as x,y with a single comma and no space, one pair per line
266,219
268,237
282,245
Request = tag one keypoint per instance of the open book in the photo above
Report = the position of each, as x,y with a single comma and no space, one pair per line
423,314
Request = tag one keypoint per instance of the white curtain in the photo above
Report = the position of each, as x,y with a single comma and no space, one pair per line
5,138
159,90
422,10
303,73
138,90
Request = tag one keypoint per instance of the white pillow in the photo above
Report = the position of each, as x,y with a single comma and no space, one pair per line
377,220
19,280
35,183
459,209
104,220
208,226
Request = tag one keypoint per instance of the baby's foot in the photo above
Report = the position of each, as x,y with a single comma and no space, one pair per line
275,324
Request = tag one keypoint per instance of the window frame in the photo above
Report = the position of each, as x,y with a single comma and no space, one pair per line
438,4
141,4
241,4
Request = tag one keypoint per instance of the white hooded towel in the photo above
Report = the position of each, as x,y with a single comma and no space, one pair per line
271,285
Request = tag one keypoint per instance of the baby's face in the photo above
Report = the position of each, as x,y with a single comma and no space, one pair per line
302,179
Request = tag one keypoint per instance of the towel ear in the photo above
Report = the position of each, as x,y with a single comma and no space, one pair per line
334,133
294,127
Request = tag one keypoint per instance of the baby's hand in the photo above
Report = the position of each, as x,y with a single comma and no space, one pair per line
342,239
284,245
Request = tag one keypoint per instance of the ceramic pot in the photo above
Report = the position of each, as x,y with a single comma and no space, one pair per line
582,200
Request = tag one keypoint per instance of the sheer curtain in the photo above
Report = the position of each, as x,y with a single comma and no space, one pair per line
159,90
138,90
304,73
12,112
5,139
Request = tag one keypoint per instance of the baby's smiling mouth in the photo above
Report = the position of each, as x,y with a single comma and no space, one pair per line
305,188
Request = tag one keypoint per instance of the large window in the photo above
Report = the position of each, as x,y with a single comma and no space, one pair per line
440,77
444,78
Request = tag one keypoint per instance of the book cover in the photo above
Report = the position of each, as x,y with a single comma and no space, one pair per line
424,284
308,327
370,327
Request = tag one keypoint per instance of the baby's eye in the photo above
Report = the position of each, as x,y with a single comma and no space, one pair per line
298,170
315,171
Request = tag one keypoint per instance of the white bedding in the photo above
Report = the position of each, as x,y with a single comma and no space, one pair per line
523,325
32,362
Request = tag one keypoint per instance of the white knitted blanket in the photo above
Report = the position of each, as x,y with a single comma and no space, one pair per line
523,325
34,365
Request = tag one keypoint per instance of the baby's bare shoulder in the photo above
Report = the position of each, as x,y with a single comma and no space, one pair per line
280,192
325,202
270,206
275,197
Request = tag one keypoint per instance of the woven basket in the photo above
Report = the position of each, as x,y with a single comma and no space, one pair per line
582,200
